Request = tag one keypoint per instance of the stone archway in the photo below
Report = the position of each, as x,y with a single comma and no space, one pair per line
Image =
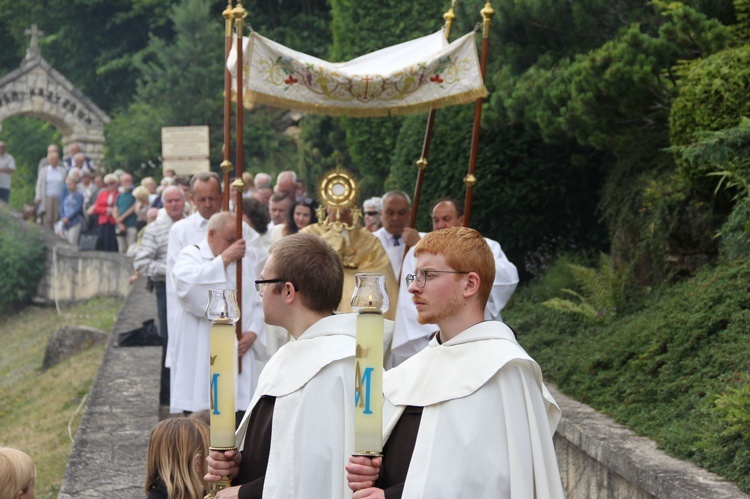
37,90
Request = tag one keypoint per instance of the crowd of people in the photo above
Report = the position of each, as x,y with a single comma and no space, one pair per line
456,375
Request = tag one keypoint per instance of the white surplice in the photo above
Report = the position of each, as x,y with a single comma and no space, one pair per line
312,379
410,337
487,423
196,271
186,232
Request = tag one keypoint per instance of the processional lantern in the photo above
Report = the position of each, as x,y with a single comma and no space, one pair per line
223,312
370,302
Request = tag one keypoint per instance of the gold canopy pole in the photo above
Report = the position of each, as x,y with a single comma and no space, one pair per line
239,13
470,180
226,164
449,17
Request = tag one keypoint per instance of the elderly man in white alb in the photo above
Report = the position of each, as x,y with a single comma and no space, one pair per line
198,268
411,336
395,218
205,191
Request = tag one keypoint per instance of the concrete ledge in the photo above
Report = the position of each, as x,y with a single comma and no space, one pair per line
600,459
71,275
109,454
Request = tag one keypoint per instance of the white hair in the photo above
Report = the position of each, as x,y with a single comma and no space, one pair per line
220,220
171,188
373,204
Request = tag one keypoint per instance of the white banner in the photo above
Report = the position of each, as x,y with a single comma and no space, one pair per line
410,77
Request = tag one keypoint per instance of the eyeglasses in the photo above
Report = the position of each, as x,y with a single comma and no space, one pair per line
261,284
421,276
371,213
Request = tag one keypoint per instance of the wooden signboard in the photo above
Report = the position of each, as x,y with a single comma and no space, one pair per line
184,149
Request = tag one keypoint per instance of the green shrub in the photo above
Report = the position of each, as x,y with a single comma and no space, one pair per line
712,97
601,290
22,257
735,233
659,369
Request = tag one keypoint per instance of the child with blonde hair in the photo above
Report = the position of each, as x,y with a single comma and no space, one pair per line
17,474
175,465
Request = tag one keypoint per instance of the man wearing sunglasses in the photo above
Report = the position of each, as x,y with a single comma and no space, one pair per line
299,429
468,416
411,336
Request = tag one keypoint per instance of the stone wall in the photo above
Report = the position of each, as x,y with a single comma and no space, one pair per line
600,459
71,275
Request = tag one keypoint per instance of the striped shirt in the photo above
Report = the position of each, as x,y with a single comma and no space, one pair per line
151,258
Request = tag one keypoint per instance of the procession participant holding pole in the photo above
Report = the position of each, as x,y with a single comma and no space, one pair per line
199,268
395,216
469,416
299,428
205,192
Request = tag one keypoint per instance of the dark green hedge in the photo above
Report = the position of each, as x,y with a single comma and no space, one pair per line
22,257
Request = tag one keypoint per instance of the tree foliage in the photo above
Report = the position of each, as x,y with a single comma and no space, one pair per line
27,140
91,42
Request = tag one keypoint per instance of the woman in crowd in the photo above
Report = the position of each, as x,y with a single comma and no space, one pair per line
142,205
71,210
104,207
175,464
372,208
17,474
300,215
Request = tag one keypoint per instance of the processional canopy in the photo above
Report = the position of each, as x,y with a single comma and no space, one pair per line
418,75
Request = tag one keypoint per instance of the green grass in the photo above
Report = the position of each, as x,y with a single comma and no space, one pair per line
35,407
662,368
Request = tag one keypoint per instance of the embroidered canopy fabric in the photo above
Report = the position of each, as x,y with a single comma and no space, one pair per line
409,77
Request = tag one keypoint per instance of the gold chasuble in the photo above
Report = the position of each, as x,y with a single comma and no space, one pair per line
359,251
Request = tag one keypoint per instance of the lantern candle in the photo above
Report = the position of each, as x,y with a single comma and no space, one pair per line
223,312
369,301
223,368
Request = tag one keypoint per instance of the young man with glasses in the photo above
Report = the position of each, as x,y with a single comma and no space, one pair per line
299,428
411,336
469,416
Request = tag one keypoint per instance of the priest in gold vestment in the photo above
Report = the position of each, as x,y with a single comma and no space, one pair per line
359,251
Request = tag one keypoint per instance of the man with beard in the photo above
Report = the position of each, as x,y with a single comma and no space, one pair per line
410,336
468,416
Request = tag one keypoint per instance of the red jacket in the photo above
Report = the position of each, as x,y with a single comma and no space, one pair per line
103,201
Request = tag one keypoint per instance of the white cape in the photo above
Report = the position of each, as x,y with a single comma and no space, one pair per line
312,433
488,420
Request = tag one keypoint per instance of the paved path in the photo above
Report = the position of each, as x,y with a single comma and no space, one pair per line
108,459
